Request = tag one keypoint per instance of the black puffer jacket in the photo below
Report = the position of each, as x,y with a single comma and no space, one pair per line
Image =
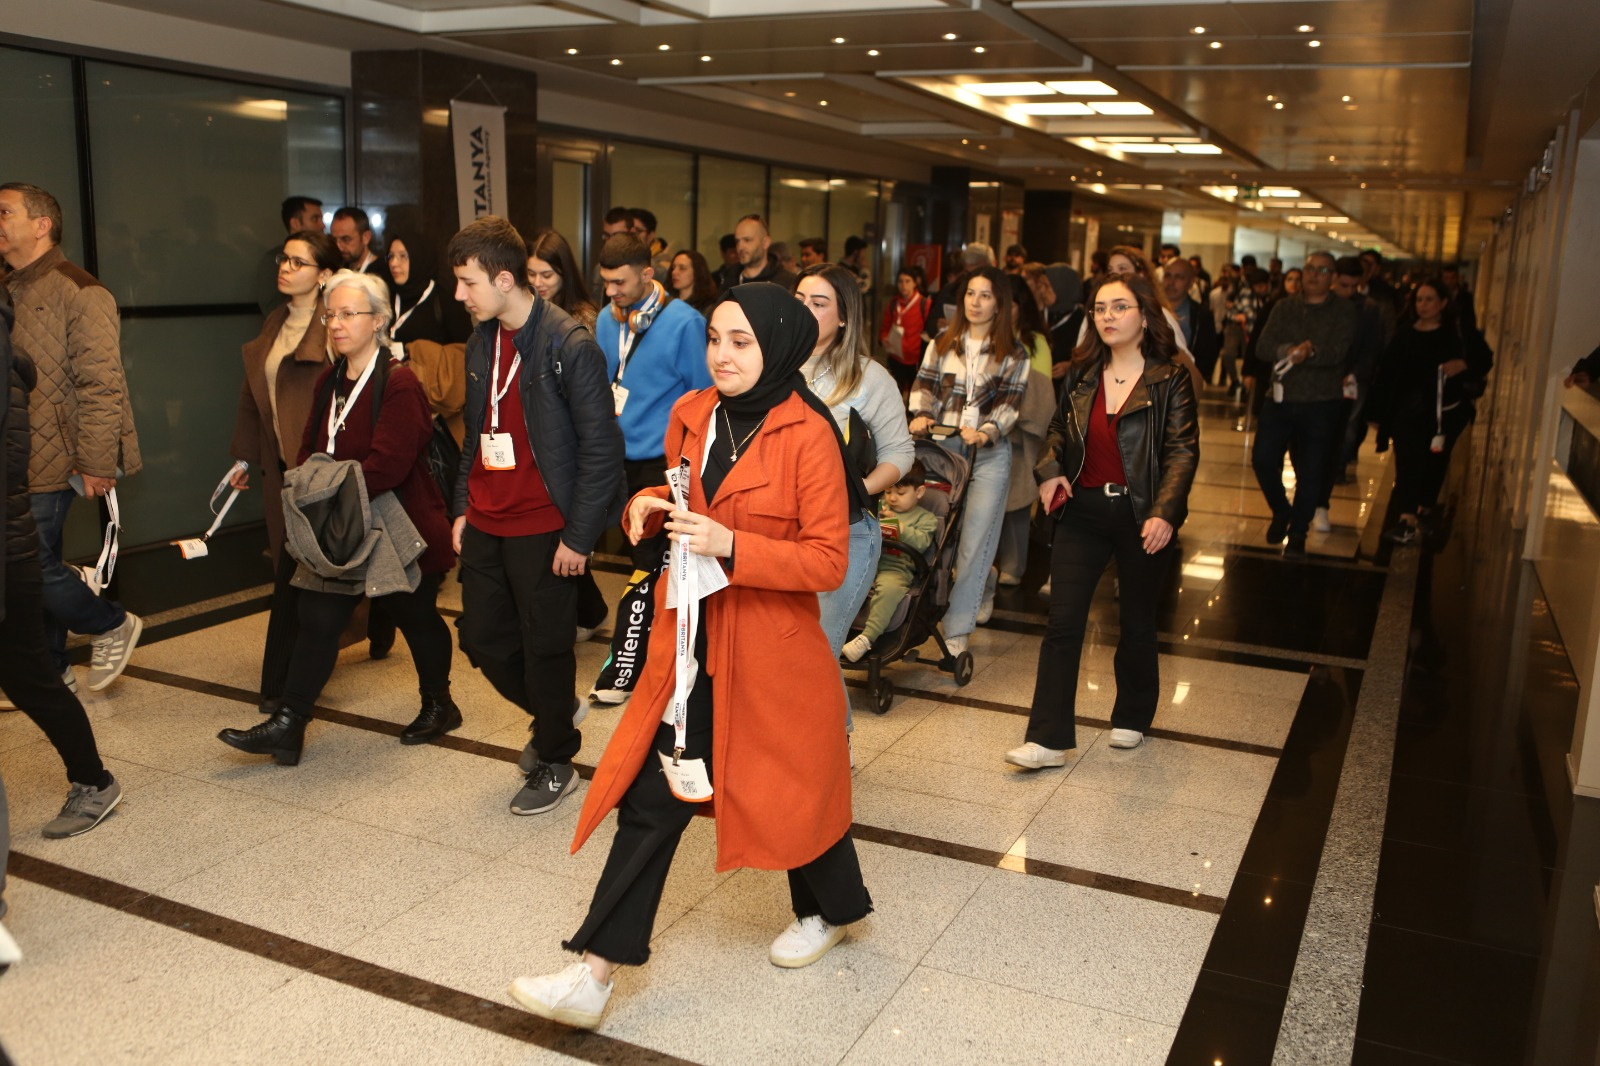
21,540
1158,433
570,415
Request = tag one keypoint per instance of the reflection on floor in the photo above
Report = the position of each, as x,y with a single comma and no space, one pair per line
372,903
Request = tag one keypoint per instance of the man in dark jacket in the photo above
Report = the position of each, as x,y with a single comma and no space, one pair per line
1199,328
25,671
540,480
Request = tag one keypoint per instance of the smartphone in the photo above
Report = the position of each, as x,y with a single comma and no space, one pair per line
1058,501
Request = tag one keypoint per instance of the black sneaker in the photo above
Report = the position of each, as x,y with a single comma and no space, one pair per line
1295,548
1277,529
547,786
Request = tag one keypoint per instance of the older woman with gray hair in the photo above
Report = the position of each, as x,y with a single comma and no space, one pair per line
375,413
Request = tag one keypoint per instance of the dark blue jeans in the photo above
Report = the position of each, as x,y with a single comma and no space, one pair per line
68,602
1307,431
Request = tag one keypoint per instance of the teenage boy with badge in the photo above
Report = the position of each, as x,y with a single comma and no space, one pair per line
540,480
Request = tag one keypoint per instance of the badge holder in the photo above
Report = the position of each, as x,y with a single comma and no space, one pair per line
1279,371
687,778
494,447
195,547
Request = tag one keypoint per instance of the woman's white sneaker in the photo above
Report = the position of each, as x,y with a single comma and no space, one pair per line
1126,738
1033,756
804,942
571,996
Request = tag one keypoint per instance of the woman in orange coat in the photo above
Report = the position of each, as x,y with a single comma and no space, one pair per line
767,498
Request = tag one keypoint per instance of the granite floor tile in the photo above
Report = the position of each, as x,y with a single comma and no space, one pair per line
172,729
964,736
36,787
878,732
958,821
1189,775
998,785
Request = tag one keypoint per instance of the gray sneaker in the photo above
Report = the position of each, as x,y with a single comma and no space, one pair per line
547,786
530,755
112,650
86,806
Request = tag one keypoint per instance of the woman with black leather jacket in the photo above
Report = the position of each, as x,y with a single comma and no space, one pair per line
1115,477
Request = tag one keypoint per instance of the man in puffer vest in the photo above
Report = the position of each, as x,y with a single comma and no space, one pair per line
82,421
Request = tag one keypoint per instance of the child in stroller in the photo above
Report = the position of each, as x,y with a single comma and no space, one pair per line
907,528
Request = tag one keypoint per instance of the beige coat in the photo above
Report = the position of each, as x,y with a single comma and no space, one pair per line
80,412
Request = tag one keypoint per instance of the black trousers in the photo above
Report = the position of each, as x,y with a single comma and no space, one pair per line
644,474
1093,528
1306,433
34,685
1418,472
518,622
323,616
283,629
651,821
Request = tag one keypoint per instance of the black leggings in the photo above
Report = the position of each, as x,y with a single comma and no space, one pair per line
323,616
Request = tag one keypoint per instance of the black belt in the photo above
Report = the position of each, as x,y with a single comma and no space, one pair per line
1110,489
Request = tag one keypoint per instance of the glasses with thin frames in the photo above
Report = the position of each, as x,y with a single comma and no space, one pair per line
1116,310
295,262
345,316
1318,269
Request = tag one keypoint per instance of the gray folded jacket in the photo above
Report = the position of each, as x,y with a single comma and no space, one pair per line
343,542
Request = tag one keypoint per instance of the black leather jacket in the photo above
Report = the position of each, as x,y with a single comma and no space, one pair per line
570,415
1158,432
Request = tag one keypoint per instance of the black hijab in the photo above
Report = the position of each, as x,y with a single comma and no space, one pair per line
786,332
422,267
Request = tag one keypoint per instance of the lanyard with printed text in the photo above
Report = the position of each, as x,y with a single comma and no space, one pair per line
498,394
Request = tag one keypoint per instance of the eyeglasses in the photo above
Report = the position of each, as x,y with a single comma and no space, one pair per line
1116,310
295,262
346,316
1318,270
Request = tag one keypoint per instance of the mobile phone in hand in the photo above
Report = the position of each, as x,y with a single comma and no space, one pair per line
1058,501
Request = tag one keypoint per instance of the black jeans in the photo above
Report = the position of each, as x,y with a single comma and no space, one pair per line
1418,472
283,629
1092,528
1306,432
34,685
518,623
323,616
651,821
644,474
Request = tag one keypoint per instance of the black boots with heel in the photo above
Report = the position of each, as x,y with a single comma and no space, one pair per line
438,716
281,736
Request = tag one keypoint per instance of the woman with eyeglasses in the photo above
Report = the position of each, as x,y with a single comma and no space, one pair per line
281,368
371,410
1114,476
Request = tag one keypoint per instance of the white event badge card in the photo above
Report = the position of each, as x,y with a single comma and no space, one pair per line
497,451
619,396
687,778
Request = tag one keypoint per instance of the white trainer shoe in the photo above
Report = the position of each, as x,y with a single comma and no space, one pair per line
957,645
611,697
1320,522
1033,756
10,953
571,997
804,942
856,649
1126,738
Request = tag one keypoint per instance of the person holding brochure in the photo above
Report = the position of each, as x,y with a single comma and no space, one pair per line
759,463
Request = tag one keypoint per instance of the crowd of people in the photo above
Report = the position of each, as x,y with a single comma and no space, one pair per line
755,431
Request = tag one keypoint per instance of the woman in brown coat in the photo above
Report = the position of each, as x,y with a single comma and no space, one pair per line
281,369
767,498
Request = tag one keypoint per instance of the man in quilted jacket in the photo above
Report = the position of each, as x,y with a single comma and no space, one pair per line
82,421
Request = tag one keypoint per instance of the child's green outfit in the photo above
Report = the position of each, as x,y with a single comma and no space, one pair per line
917,528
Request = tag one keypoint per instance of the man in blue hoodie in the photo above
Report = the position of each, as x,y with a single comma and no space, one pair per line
655,348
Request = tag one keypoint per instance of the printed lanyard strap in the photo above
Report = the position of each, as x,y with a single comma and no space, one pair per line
343,411
107,564
498,394
688,617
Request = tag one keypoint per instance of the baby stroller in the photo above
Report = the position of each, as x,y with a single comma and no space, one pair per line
917,618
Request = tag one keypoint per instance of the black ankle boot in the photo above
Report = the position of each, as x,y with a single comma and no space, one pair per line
438,716
281,736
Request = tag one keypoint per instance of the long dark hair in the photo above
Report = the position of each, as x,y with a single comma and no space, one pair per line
573,297
704,289
1004,331
1141,267
1159,343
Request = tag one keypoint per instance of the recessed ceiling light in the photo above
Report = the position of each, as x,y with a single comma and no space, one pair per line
705,59
572,51
964,140
949,36
1198,29
1333,159
838,40
1120,107
1304,28
1065,107
1082,88
1346,99
872,51
1278,106
822,103
1198,149
616,62
1147,149
980,49
1009,88
789,93
1363,185
1216,44
1313,44
1271,97
983,147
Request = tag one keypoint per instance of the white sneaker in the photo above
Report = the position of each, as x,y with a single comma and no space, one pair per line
571,997
69,679
804,942
856,649
1126,738
1044,589
1033,756
112,650
9,951
1320,522
986,609
610,696
584,633
1009,580
957,645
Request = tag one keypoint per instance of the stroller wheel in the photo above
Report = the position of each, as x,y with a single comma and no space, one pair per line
963,670
883,697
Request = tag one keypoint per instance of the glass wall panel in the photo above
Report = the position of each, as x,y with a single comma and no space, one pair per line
569,204
659,180
38,126
188,176
799,208
729,190
183,375
853,212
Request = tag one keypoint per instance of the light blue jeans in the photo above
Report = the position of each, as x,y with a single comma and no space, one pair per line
980,532
840,607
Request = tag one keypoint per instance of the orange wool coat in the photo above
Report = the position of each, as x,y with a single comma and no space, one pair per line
780,762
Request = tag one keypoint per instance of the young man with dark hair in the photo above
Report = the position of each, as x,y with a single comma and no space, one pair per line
855,254
540,481
301,213
642,224
813,252
727,275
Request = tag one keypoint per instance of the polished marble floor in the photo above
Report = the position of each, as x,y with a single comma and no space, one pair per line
372,903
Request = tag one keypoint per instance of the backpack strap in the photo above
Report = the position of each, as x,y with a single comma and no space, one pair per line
558,340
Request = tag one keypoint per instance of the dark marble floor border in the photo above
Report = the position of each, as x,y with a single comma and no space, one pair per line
499,1018
910,842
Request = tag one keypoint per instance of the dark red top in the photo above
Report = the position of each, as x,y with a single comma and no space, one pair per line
393,454
1102,455
510,503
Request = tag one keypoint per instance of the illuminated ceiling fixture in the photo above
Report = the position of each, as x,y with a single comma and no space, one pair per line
1120,107
1198,29
822,103
980,49
1271,97
705,59
1278,106
616,62
1313,44
949,36
838,40
1216,44
1082,88
1198,149
1304,28
1147,149
872,51
663,48
789,93
572,51
1280,191
1064,107
1346,99
1009,88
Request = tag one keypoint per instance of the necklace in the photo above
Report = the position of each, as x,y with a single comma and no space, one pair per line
737,448
1119,381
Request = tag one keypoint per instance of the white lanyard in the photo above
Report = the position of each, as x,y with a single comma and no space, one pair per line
237,467
107,564
626,339
498,394
399,319
343,411
687,577
1438,404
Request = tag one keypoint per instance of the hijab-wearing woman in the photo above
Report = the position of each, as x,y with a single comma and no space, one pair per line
903,322
281,369
974,377
1423,397
418,302
842,373
691,280
392,452
768,501
554,275
1120,456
